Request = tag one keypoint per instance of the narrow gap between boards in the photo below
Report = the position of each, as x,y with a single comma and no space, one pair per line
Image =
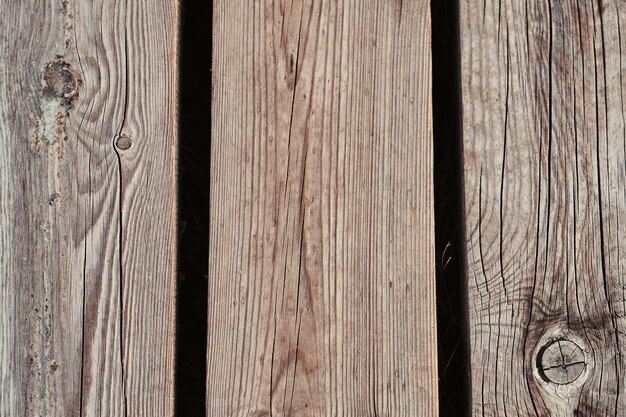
193,207
453,346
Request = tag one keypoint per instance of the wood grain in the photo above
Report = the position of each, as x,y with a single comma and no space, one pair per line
321,264
545,195
87,207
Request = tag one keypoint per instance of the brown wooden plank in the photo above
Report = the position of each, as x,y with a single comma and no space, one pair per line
87,215
545,198
321,264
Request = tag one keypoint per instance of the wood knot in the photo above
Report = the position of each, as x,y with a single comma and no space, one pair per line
123,142
60,80
561,362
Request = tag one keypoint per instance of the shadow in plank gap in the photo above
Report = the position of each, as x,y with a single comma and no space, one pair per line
193,206
451,293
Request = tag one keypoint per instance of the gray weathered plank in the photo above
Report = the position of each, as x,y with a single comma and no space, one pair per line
545,203
321,269
87,223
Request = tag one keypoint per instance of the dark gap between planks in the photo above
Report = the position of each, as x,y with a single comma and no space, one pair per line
454,380
193,207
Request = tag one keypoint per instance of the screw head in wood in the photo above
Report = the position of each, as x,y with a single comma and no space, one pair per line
561,362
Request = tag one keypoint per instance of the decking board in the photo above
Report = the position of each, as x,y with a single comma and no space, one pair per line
321,249
543,137
88,108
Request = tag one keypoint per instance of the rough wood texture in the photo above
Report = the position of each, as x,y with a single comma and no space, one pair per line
545,188
321,269
87,207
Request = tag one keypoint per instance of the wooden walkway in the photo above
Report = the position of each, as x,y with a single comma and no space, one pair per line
321,264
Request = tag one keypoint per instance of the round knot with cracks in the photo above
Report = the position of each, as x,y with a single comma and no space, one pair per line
561,361
60,81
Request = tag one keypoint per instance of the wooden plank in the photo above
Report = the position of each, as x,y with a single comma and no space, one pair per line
87,207
321,263
545,196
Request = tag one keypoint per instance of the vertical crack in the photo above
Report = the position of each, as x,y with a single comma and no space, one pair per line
603,253
506,120
550,138
293,63
82,353
120,226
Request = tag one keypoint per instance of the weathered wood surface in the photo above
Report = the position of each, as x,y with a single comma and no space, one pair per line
545,196
321,269
87,207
